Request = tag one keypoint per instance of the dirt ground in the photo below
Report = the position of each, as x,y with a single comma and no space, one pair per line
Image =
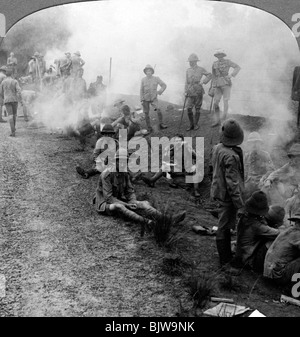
60,258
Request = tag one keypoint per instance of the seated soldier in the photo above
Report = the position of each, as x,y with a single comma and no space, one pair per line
282,260
253,233
257,163
115,195
100,163
177,178
129,122
282,183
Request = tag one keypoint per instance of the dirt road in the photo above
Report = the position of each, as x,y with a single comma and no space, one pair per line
58,256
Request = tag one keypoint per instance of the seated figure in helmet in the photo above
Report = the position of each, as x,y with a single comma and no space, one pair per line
115,195
257,163
102,144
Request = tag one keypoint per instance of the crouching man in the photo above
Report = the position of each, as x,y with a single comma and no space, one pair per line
253,234
283,257
115,195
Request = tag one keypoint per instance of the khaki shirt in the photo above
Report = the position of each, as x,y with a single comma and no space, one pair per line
148,90
193,78
10,90
220,71
283,250
251,231
228,182
257,164
112,187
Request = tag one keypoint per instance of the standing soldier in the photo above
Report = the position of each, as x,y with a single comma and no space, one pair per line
78,87
12,63
148,95
227,186
65,65
77,63
2,77
222,82
10,92
194,90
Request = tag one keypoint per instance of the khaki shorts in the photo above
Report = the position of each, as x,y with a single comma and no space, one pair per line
222,91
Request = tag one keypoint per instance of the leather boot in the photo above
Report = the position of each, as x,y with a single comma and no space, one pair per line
191,118
224,250
197,117
160,120
148,123
130,215
217,116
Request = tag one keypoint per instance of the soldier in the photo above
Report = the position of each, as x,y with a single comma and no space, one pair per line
65,65
12,63
227,186
194,90
77,63
32,66
2,77
221,80
282,260
107,131
178,178
115,195
257,163
148,95
283,183
10,92
78,87
253,233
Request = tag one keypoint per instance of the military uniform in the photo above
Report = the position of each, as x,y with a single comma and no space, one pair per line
2,77
148,96
227,186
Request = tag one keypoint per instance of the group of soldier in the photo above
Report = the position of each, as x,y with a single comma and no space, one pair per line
250,193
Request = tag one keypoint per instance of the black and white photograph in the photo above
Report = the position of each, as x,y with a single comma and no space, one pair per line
149,161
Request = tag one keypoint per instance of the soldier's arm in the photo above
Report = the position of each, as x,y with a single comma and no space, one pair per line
232,177
162,85
186,83
279,173
236,68
267,232
208,76
117,121
19,92
1,90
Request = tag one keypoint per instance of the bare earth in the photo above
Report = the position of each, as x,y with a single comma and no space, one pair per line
60,258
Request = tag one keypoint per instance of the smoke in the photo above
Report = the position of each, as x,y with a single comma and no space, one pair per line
164,33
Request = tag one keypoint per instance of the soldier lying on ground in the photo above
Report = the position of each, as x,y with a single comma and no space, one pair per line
257,163
115,195
99,166
282,260
253,233
282,183
177,178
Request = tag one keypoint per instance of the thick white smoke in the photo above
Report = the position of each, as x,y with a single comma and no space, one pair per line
165,32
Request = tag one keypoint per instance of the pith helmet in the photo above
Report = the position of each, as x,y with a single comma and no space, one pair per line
126,110
294,150
220,52
77,53
3,68
121,154
276,214
254,137
257,203
193,57
231,133
148,66
107,128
